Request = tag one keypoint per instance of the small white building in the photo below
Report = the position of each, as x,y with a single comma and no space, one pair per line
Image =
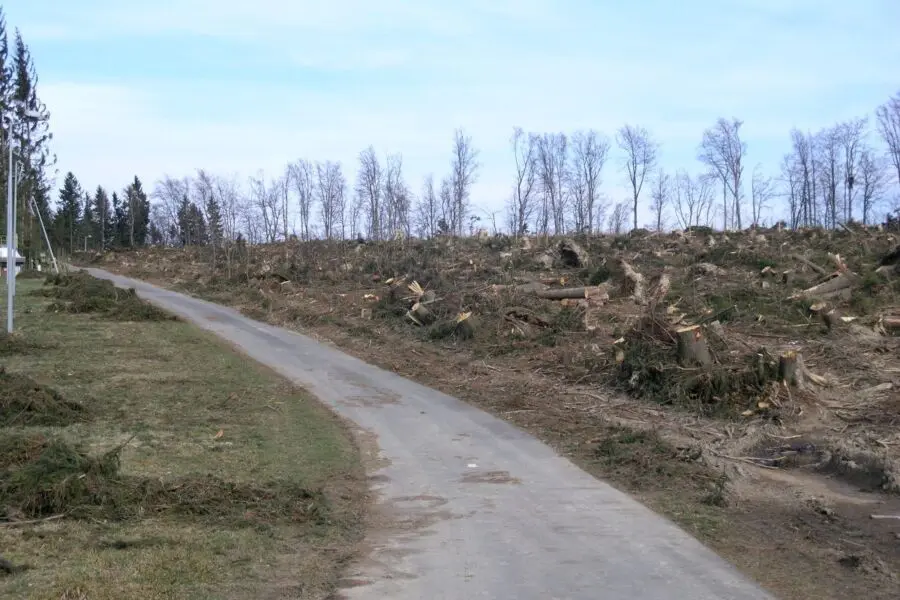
18,260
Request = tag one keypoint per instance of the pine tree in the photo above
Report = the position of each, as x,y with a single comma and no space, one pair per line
67,217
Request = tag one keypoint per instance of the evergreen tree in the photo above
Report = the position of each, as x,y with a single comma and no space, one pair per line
32,136
5,93
191,224
120,222
90,225
67,217
214,224
106,224
137,211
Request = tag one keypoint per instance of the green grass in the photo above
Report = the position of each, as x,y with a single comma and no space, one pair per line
272,506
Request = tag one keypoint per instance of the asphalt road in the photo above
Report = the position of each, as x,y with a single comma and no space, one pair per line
473,507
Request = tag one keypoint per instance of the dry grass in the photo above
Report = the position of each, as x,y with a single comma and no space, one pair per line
198,474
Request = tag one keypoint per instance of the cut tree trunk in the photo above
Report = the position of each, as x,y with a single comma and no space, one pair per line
465,326
838,284
790,369
420,314
891,324
692,348
579,292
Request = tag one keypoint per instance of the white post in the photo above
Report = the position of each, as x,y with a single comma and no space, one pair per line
10,238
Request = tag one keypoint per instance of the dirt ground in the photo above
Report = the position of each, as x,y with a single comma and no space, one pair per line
142,458
744,385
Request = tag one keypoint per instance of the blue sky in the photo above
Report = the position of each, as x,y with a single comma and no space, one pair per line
165,87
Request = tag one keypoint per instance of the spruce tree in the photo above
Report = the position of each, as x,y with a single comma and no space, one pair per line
89,225
106,223
32,136
137,209
120,220
67,217
214,218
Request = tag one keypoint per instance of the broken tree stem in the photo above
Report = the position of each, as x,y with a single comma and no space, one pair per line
692,348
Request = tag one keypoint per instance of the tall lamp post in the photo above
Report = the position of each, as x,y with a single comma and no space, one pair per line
11,252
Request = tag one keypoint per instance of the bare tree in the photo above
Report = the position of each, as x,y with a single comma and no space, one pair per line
800,170
524,147
661,196
762,190
428,209
618,218
693,199
851,136
396,198
888,116
552,154
169,193
463,175
830,174
448,208
723,152
267,201
330,189
872,180
369,183
589,152
641,153
301,175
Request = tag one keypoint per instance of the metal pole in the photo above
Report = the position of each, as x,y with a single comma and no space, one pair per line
16,222
10,238
37,211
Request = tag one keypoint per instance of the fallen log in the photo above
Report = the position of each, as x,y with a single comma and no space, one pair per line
692,348
810,264
635,283
838,284
595,291
891,324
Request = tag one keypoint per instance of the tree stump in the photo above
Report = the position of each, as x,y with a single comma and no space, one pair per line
790,369
465,326
692,347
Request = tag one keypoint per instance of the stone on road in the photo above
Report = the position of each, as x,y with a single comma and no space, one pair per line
471,506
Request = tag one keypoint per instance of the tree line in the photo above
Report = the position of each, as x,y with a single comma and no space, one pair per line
845,172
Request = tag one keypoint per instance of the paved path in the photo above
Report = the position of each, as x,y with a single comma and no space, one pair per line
481,509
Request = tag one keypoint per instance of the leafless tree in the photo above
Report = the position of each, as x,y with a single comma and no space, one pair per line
661,196
723,152
169,193
396,198
522,208
589,152
872,180
800,171
231,204
888,116
267,202
851,136
762,190
463,175
829,159
618,218
641,153
427,209
693,199
330,189
552,155
301,175
369,183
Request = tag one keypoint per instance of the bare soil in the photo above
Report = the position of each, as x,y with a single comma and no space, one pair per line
775,443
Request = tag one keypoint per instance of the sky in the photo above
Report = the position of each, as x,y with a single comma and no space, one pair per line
165,87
